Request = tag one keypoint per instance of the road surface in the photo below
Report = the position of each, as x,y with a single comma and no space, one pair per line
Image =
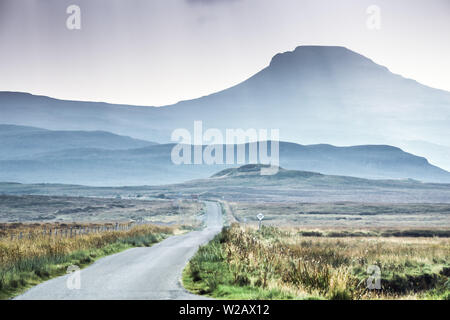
137,273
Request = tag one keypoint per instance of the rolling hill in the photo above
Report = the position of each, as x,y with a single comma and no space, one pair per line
245,183
19,142
152,165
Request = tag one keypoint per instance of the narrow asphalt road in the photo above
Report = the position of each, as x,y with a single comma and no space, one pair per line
138,273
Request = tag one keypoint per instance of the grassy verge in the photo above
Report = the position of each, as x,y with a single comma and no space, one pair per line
278,264
28,262
209,274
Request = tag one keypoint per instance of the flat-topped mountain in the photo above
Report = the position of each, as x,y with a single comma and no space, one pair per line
313,94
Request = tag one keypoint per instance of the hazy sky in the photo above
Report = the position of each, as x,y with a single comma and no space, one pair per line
156,52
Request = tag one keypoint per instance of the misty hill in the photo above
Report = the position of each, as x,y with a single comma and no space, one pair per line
21,141
314,94
369,161
250,175
253,172
153,165
245,183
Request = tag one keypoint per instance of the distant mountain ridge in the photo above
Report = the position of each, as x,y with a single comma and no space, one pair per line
32,155
313,94
20,141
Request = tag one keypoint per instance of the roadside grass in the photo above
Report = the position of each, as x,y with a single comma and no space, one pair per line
30,261
208,274
242,263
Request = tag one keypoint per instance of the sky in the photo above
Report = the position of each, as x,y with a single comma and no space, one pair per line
158,52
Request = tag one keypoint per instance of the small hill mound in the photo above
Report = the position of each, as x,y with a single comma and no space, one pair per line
254,170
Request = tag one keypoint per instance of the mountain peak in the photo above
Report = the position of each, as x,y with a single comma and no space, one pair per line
323,57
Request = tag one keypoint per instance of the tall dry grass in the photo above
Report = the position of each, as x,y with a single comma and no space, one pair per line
39,255
35,244
331,268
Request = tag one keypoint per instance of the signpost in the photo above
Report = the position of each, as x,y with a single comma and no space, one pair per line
260,216
180,200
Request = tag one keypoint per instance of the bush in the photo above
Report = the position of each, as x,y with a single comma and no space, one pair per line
242,280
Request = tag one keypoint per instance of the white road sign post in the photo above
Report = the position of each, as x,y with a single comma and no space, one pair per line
260,216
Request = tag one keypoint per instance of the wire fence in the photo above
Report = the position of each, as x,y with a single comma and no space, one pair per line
70,231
